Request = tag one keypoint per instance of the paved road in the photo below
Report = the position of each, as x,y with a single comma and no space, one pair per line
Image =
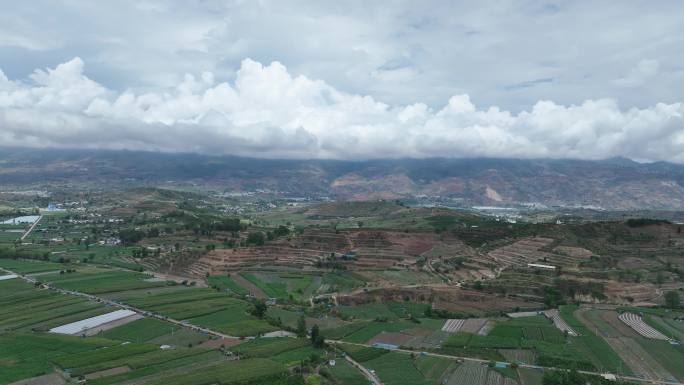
481,361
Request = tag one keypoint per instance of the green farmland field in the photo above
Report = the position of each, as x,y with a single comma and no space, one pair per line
141,330
226,283
251,371
27,266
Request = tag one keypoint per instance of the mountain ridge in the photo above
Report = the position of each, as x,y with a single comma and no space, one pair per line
614,183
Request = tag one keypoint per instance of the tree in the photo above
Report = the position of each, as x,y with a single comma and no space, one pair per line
259,309
301,327
317,339
672,299
256,238
561,377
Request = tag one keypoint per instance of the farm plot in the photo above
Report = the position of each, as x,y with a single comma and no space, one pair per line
407,309
28,266
22,307
525,356
452,325
670,357
255,371
429,340
339,282
142,330
469,373
592,346
31,355
282,285
637,323
559,322
347,374
470,325
638,359
621,339
234,320
203,307
367,311
268,347
391,338
153,371
535,334
372,329
436,369
101,281
397,369
668,326
226,283
135,359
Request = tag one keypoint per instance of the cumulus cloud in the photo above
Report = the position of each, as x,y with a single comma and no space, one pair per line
269,112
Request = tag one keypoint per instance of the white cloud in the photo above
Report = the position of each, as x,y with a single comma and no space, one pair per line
268,112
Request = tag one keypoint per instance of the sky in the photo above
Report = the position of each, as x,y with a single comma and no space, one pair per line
346,80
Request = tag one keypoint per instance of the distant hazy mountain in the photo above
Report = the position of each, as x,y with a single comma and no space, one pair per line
614,183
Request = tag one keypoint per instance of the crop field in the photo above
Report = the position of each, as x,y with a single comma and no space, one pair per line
224,282
406,309
593,347
339,282
429,340
234,321
283,285
435,368
347,374
267,347
161,367
397,369
28,266
536,335
30,355
668,326
665,354
368,311
401,277
339,332
254,370
141,330
295,356
203,307
22,307
101,356
372,329
133,356
362,353
525,356
623,340
101,281
469,374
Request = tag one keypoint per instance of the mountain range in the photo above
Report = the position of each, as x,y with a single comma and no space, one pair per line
616,183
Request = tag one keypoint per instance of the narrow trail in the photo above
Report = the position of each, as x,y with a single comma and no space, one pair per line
26,234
